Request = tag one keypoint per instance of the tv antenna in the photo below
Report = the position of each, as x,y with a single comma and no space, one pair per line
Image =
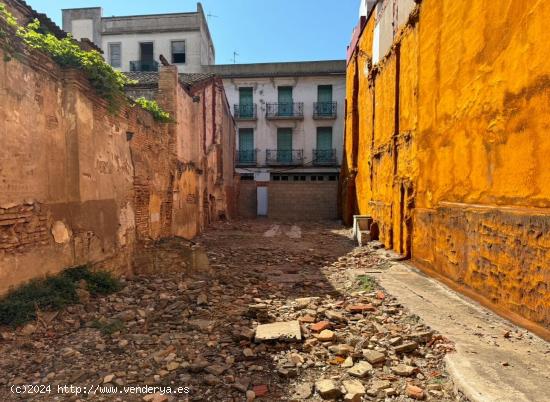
235,54
208,16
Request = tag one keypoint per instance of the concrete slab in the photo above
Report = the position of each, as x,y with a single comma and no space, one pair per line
287,330
495,361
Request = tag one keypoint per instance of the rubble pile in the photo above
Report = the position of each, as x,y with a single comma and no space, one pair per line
283,316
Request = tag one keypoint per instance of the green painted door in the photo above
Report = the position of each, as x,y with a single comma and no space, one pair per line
285,101
246,145
246,102
324,145
324,100
284,145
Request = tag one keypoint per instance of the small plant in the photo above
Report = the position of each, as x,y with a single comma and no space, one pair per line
366,282
66,52
108,82
53,293
108,327
154,108
97,283
6,18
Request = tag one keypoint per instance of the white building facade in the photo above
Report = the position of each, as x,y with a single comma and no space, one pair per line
290,122
135,43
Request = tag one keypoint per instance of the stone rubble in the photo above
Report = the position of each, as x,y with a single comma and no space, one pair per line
282,318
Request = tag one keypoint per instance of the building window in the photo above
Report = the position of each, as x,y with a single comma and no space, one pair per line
178,51
115,55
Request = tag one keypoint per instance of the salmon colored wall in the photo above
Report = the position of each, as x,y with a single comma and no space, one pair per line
461,178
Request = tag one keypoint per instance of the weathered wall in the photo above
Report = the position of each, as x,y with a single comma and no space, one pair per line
66,173
454,170
81,185
204,187
302,200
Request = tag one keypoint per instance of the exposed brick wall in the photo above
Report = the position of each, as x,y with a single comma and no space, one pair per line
80,184
22,226
303,200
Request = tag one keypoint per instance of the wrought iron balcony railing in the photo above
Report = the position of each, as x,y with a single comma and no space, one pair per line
324,157
292,110
284,157
144,65
324,110
247,157
245,112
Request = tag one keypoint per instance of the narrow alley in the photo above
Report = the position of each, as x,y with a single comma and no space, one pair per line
198,329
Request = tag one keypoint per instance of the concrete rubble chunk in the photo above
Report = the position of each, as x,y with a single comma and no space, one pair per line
354,390
327,389
286,330
326,335
360,369
403,370
302,392
406,347
380,384
335,316
373,356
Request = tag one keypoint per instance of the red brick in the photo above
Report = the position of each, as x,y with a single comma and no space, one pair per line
321,325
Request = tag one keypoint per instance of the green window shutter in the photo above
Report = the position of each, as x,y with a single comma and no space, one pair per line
324,137
245,96
284,144
285,101
246,100
324,100
324,144
246,145
324,93
246,139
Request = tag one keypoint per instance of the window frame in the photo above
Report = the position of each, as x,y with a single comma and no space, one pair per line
184,51
119,44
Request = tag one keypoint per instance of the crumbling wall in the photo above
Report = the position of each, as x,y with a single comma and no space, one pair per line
66,172
456,173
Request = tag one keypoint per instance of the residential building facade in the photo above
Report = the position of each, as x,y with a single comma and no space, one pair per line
290,122
135,43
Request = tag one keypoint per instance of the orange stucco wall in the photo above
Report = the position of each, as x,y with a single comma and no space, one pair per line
452,160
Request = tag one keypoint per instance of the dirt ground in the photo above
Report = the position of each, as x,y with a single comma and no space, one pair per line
196,330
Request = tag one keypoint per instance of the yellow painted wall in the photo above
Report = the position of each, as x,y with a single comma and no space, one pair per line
463,182
365,124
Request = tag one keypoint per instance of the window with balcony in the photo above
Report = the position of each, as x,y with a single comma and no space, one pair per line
247,153
324,108
285,101
284,145
178,51
285,108
324,154
146,60
246,109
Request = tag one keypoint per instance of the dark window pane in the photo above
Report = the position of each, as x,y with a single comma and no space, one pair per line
178,52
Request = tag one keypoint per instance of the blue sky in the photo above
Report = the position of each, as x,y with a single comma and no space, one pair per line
258,30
